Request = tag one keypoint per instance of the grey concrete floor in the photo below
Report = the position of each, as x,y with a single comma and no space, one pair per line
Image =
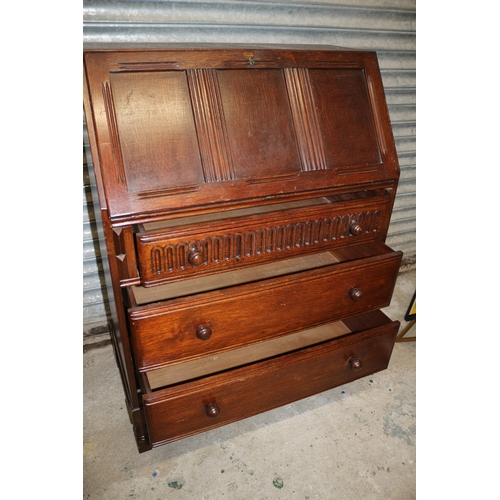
352,442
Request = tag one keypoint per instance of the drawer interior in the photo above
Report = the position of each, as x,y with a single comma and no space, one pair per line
143,295
241,212
161,378
263,209
230,359
140,295
204,403
189,247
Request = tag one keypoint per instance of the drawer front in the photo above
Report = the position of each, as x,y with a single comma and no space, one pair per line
215,321
207,403
195,250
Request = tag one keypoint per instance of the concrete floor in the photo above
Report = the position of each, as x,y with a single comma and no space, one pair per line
353,442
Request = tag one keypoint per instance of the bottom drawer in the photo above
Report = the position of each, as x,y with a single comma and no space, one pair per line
191,407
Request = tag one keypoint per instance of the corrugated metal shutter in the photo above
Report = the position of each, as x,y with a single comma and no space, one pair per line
387,26
94,292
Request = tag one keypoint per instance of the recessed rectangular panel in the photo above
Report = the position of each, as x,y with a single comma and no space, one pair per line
156,130
345,116
259,122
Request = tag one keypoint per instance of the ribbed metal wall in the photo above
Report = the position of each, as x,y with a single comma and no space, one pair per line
386,26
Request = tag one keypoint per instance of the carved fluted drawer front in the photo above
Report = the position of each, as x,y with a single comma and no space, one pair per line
209,402
173,253
189,327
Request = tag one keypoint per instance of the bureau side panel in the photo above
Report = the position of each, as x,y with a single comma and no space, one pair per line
118,323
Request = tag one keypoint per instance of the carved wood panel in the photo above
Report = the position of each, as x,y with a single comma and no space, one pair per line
163,261
305,119
210,125
218,131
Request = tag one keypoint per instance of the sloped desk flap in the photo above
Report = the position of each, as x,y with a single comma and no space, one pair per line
179,131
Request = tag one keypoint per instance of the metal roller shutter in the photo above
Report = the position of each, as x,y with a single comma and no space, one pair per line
94,298
387,26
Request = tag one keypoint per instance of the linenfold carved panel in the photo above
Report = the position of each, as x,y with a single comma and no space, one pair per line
113,133
210,125
305,119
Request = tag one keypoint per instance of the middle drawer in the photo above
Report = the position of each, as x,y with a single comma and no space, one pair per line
184,328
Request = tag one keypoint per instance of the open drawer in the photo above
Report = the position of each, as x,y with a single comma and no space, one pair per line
168,329
193,246
183,400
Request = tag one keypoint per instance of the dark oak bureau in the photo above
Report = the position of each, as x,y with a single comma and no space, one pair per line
245,195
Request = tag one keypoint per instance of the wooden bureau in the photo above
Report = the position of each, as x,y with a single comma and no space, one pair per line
245,195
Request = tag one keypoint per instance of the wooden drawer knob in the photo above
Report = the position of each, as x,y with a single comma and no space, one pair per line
212,410
203,332
355,364
195,257
356,294
355,229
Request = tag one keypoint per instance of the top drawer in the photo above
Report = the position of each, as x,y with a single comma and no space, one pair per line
179,249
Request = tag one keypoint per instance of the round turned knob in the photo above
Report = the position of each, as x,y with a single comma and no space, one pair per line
195,257
212,410
356,294
355,364
203,332
355,229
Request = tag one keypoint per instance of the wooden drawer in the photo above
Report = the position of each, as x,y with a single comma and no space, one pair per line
168,252
212,401
189,327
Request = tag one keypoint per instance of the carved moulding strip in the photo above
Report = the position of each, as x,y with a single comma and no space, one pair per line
155,193
148,66
210,125
336,65
305,119
113,132
378,120
230,248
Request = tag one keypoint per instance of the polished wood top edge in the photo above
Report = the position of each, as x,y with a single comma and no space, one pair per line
130,47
